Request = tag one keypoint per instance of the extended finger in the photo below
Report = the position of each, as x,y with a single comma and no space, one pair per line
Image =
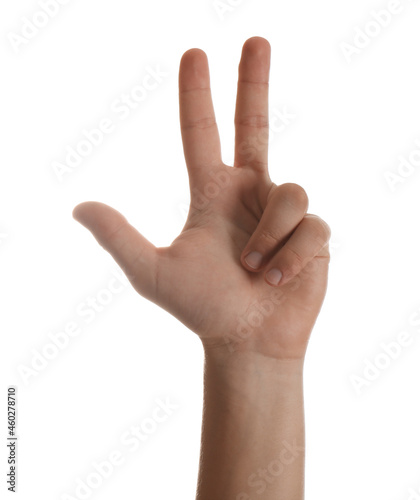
133,252
251,116
199,131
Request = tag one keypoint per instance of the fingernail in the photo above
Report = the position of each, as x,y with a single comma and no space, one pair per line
274,276
254,259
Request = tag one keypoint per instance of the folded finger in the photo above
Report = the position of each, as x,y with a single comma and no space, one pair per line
306,242
287,204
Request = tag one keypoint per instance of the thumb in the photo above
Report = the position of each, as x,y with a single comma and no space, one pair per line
133,253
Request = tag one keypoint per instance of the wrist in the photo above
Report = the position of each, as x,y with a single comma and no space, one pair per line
226,356
276,342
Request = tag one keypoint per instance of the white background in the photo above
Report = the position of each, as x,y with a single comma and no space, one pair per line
351,122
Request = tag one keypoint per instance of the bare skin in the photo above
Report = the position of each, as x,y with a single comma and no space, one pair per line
204,280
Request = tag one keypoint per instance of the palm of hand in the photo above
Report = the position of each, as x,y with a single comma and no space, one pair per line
218,298
202,277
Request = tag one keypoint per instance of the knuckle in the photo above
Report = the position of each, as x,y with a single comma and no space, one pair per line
255,121
114,234
294,259
291,268
321,230
269,236
327,229
202,123
325,253
260,166
289,261
294,195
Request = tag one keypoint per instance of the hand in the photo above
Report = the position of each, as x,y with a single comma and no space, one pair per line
204,278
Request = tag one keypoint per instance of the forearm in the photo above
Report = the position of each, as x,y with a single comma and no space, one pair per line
253,428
